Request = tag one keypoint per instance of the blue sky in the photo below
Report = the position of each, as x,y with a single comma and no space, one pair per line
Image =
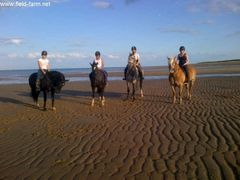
71,31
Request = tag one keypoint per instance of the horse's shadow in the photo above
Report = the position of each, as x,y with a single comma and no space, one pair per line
78,93
15,101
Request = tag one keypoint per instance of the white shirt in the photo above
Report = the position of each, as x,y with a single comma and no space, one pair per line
134,58
43,63
99,63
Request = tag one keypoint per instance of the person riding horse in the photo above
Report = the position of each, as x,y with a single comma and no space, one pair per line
134,58
98,78
43,67
183,61
100,65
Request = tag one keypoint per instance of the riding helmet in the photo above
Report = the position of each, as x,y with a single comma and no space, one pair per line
182,48
44,53
97,53
134,48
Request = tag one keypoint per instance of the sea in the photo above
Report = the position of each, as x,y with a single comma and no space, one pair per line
72,74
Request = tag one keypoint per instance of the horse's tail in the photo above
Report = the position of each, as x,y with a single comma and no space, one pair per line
32,84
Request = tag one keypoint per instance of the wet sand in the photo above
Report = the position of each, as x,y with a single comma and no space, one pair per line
147,139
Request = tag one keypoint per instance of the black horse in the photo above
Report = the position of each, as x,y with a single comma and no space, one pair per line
133,78
98,81
52,81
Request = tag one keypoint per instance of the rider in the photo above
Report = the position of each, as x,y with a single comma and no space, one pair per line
134,58
44,66
183,60
100,64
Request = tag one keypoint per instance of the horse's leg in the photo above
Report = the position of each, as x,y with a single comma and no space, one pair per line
187,89
133,91
141,90
93,95
190,89
174,94
180,93
36,98
102,98
128,90
45,100
53,99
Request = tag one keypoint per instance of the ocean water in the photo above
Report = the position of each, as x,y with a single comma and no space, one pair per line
21,76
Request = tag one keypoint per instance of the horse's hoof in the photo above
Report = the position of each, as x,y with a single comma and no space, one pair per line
37,105
54,109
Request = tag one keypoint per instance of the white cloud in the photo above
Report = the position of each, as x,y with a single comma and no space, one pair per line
215,6
11,41
102,4
111,56
33,55
57,55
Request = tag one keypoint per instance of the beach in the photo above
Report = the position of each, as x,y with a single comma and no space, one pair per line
150,138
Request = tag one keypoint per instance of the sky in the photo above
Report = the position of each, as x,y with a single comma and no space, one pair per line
72,30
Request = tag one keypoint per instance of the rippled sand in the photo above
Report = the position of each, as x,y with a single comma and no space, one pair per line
146,139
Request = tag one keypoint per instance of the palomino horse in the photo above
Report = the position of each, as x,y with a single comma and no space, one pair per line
132,78
177,78
98,81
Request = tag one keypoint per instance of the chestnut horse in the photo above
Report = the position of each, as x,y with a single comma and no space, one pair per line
177,78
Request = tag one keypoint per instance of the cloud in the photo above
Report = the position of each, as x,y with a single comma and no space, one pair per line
11,41
102,4
33,55
14,55
234,34
111,56
178,30
205,22
55,56
127,2
215,6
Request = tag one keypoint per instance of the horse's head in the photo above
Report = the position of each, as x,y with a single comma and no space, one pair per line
172,64
94,66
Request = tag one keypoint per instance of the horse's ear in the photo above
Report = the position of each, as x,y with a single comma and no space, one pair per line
168,58
91,64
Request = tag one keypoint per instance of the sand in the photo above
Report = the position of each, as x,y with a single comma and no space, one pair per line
147,139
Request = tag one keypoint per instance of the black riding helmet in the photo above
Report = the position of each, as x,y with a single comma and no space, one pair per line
44,53
134,48
182,48
97,53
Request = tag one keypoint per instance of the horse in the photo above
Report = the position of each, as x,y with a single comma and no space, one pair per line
177,78
52,81
98,81
132,78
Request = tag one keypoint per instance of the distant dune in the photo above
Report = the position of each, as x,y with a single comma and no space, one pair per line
232,61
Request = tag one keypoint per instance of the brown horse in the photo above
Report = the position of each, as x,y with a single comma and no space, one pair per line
177,78
132,78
